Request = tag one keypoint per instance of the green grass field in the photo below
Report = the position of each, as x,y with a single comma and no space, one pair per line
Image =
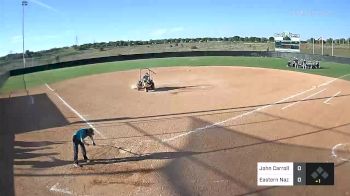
51,76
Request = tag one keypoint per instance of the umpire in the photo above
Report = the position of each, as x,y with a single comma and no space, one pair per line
78,139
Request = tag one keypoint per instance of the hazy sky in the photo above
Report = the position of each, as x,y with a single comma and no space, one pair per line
56,23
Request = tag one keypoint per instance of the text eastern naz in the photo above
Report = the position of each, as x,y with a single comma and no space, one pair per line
274,168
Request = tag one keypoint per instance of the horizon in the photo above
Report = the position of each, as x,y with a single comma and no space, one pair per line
50,24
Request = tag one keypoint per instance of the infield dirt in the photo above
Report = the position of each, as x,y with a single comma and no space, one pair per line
201,132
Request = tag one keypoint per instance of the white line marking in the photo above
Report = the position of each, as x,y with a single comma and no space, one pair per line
329,99
49,87
290,105
75,111
217,181
331,81
55,188
236,117
32,100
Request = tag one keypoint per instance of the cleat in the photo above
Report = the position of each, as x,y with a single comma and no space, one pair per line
76,165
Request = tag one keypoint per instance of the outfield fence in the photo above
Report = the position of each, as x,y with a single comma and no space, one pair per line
316,57
3,77
177,54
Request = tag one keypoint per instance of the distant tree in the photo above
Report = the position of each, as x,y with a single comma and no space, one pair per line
286,38
342,40
329,40
28,53
311,40
57,58
236,38
271,39
204,39
251,39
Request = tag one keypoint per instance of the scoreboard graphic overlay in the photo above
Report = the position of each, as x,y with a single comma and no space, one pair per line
292,174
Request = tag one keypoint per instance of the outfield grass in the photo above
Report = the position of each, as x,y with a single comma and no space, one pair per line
51,76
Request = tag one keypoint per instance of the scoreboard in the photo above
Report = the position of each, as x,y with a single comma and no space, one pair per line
287,42
291,174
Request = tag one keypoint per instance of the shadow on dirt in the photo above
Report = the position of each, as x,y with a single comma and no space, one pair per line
20,115
28,150
157,155
173,88
219,162
101,122
30,113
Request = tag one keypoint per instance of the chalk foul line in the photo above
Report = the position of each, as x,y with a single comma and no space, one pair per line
239,116
333,80
75,111
329,99
55,188
256,110
308,97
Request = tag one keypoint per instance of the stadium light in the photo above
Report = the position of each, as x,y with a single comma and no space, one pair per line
24,3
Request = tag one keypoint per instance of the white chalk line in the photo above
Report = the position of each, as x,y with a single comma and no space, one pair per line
236,117
308,97
75,111
49,87
333,80
329,99
253,111
55,188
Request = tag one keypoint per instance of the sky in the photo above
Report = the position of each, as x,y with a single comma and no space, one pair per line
57,23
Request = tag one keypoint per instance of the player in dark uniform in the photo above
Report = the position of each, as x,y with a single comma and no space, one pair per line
78,139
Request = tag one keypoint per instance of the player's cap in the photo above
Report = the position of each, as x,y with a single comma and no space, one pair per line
90,131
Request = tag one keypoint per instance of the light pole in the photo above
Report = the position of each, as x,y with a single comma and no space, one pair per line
322,44
24,3
332,48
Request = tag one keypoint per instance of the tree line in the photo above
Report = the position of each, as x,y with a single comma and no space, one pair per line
329,40
113,44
